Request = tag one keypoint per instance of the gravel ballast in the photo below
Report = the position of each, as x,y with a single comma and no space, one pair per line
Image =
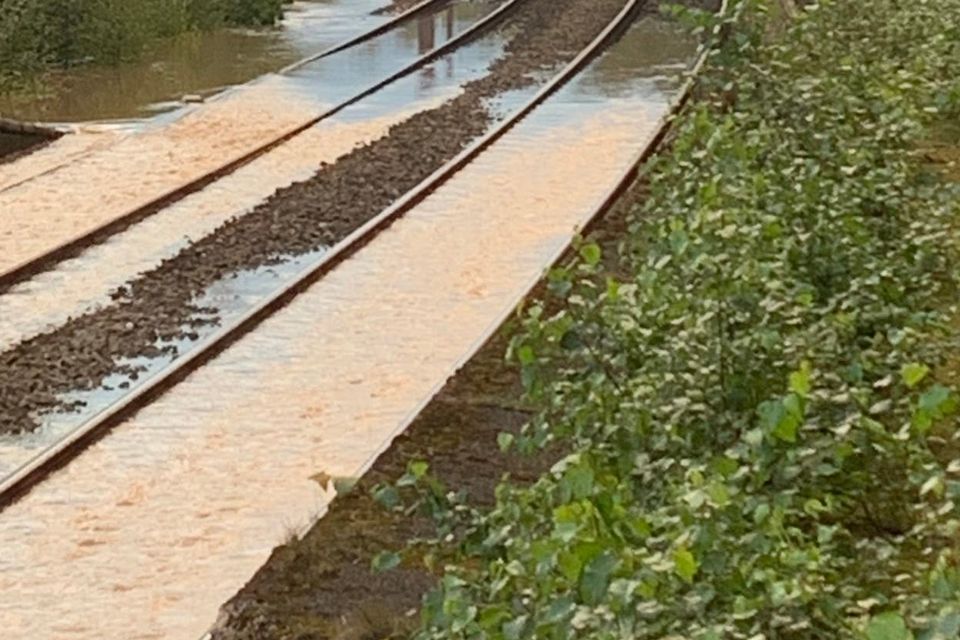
159,305
321,586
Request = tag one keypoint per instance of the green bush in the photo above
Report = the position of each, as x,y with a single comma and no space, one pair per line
36,35
760,418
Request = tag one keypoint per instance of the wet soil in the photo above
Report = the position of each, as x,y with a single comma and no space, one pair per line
159,306
321,587
15,145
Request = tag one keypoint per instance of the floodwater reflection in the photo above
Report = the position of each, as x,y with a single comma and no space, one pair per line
56,205
193,63
205,63
85,282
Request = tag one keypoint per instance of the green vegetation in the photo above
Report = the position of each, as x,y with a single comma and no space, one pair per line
757,394
36,35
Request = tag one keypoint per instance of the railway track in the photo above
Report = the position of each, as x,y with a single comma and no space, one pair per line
495,141
81,286
70,247
54,130
55,456
75,281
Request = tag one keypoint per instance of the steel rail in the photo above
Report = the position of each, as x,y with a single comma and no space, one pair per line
53,130
651,147
664,126
57,455
76,244
396,21
38,129
606,203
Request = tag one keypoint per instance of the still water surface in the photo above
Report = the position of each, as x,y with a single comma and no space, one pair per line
205,63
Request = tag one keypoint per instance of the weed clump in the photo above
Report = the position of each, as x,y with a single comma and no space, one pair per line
759,406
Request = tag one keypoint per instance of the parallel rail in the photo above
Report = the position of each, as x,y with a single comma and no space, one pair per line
76,244
40,130
30,474
619,189
412,12
54,130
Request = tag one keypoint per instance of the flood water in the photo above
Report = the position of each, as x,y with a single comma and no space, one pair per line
57,201
194,63
85,282
151,529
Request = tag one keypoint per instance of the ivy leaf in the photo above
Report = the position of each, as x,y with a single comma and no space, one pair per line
525,355
418,469
800,380
685,564
888,626
771,412
343,486
387,495
678,241
578,481
591,253
913,373
559,610
935,400
596,578
781,418
513,630
492,617
385,561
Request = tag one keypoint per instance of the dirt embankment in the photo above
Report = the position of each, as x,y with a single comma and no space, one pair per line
321,587
543,35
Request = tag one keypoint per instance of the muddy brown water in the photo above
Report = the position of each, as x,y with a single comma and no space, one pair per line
193,63
61,198
320,587
158,312
149,531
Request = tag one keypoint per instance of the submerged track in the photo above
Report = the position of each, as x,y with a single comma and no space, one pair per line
371,410
28,475
98,233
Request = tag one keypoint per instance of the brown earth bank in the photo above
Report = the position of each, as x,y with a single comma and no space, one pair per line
159,305
15,145
321,587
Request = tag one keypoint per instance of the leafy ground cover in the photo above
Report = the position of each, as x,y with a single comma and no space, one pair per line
36,35
757,394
